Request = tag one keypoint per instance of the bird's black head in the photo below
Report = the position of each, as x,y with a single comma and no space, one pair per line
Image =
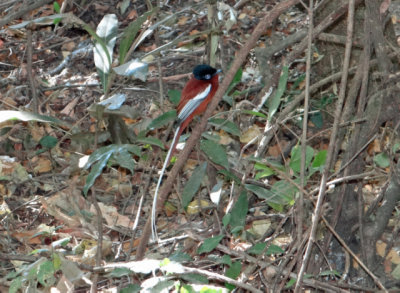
204,72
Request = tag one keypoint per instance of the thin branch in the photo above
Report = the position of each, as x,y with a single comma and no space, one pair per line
332,145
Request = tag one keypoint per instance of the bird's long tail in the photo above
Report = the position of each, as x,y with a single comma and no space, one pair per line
166,162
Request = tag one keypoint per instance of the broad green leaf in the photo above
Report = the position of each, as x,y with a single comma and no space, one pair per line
225,125
45,274
174,96
233,272
151,140
96,172
274,249
229,176
130,33
319,160
317,119
225,259
295,158
274,102
257,248
162,120
195,278
239,211
236,79
180,256
99,154
279,195
99,159
48,141
226,219
56,8
193,184
382,160
131,288
107,32
15,285
124,159
262,171
119,273
27,116
210,244
215,153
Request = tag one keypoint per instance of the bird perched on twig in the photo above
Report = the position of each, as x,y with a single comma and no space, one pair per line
195,97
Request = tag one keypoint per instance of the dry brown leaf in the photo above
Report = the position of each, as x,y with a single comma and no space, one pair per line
44,165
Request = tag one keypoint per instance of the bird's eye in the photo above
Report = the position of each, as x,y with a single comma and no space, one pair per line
207,76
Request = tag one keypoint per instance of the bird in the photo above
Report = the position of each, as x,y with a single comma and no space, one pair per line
195,96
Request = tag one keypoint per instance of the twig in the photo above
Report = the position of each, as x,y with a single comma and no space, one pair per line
331,148
93,287
32,84
219,277
300,201
23,11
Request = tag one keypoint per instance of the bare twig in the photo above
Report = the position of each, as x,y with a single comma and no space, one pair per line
23,11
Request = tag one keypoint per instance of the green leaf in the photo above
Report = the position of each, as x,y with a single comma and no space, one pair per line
382,160
193,184
56,7
225,259
130,33
210,244
151,140
195,278
236,79
48,141
319,160
280,194
15,285
274,249
174,96
239,211
124,159
131,288
103,50
180,257
274,102
27,116
317,119
257,248
45,274
95,172
295,160
264,171
233,272
255,113
162,120
225,125
229,176
226,219
102,156
215,153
